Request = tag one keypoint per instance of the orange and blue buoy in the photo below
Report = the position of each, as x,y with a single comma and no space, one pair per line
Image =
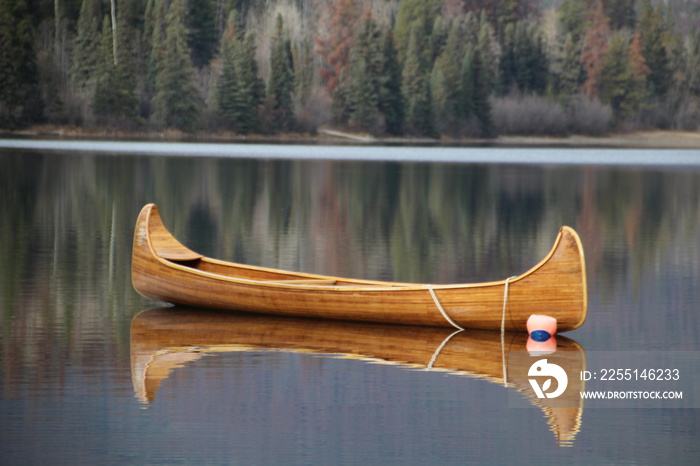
541,329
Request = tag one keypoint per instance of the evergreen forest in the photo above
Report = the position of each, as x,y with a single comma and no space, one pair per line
414,68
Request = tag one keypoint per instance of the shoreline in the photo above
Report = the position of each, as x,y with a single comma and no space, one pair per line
654,139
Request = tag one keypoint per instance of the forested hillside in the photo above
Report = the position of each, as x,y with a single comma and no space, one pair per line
429,68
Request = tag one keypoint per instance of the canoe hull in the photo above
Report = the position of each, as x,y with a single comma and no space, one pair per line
163,269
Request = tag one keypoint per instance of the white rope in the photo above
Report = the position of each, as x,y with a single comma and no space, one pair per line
439,348
442,311
459,329
503,331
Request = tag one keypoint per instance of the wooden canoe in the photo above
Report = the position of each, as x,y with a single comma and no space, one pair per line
164,269
165,339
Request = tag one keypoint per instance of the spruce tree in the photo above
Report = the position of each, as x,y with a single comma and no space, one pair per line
281,82
176,102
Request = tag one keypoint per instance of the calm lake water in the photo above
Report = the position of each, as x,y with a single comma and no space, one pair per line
92,373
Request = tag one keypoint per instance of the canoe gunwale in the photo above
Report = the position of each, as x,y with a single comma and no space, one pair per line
359,284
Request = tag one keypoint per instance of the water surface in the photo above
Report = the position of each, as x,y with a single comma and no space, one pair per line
68,391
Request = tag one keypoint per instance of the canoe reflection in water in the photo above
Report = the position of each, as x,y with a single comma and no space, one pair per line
167,338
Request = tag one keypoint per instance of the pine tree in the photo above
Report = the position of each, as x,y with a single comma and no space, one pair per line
20,100
281,81
424,107
341,104
594,48
364,115
176,102
570,76
420,118
531,60
654,37
508,73
475,82
114,101
86,48
412,73
573,16
622,76
228,89
438,37
130,66
240,91
202,32
106,95
446,82
489,52
334,49
467,95
391,100
622,13
367,66
416,17
252,86
303,58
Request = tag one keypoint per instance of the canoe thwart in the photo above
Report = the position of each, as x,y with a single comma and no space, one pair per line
305,282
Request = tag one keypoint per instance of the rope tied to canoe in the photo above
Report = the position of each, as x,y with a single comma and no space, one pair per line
442,311
460,329
503,330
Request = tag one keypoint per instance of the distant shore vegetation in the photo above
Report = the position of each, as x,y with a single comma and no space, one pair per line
414,68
